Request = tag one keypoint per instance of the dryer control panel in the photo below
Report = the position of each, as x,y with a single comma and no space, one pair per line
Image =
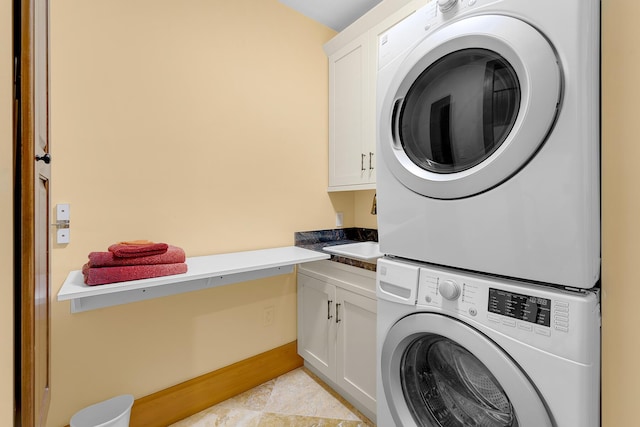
423,21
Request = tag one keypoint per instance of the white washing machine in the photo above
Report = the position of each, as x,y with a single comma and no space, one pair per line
488,138
466,350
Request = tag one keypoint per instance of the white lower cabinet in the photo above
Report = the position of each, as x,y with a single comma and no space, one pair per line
337,329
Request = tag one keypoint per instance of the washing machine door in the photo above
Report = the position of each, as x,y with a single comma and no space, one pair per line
439,372
469,106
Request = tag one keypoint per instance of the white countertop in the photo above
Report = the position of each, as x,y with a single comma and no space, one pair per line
203,272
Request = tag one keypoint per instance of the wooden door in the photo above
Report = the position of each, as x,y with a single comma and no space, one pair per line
34,177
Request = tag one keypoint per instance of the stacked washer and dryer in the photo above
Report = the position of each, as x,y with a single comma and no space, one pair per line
488,192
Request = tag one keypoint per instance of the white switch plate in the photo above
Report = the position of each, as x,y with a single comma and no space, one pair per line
63,216
339,219
62,236
62,212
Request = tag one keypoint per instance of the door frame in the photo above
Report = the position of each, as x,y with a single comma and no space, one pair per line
29,409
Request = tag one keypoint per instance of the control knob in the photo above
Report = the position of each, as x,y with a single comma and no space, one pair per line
446,5
449,290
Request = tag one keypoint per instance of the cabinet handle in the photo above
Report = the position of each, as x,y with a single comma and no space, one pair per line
362,156
337,313
370,161
329,316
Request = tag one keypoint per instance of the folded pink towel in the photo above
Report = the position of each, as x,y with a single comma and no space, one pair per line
104,275
173,255
128,250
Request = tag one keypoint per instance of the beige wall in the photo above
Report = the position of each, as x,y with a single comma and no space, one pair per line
6,221
620,212
363,200
202,123
220,184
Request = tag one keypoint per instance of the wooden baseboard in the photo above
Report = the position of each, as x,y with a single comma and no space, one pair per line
183,400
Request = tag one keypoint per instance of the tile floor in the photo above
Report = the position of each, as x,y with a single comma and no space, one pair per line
295,399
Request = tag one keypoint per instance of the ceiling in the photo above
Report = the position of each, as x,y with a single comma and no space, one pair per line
336,14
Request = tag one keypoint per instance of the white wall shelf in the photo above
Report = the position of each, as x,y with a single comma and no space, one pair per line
203,272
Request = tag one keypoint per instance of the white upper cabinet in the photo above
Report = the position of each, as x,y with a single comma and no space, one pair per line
352,95
351,148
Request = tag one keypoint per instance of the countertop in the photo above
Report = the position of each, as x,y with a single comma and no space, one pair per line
318,239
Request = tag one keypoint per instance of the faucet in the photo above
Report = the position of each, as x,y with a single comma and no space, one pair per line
374,206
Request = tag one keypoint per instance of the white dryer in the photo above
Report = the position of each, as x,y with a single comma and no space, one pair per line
488,138
465,350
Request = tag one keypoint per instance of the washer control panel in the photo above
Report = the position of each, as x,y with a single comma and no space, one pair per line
558,321
544,317
526,311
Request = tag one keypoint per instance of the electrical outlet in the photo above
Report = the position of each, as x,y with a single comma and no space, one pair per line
267,316
339,219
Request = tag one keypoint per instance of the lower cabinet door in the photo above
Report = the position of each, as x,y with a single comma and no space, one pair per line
356,346
316,324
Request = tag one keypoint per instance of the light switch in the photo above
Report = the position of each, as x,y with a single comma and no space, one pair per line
62,223
62,212
62,236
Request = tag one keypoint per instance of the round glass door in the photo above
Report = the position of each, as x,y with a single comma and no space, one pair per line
459,111
467,108
443,382
437,371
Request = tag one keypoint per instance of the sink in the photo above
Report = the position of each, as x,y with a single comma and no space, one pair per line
364,251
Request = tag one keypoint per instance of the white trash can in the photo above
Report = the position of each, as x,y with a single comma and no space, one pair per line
114,412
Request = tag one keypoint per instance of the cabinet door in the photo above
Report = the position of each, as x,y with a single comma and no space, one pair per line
356,346
316,320
349,98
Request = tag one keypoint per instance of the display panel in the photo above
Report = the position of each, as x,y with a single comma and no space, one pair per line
522,307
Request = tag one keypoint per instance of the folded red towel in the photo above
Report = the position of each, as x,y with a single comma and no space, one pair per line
173,255
104,275
128,250
136,242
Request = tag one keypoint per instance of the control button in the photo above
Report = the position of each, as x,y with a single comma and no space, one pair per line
525,326
473,311
561,328
563,324
562,304
427,298
493,318
561,309
543,331
449,290
509,322
561,318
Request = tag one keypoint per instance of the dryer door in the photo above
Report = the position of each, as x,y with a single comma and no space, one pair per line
469,106
439,372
